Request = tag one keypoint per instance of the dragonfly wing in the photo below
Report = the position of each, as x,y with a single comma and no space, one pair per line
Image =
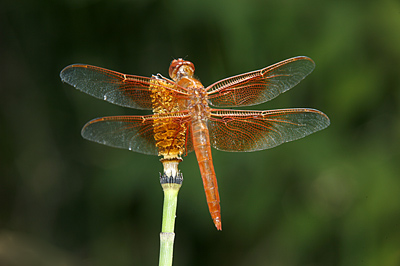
125,90
127,132
135,133
261,85
236,130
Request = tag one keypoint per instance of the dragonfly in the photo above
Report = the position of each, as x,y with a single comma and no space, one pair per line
184,118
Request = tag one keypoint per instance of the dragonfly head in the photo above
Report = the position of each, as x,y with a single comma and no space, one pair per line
180,68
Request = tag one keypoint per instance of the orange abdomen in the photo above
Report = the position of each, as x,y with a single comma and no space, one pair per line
201,144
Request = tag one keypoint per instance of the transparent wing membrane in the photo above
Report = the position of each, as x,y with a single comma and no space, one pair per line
125,90
235,130
135,133
261,85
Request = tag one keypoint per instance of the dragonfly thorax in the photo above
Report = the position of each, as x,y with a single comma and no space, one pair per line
198,103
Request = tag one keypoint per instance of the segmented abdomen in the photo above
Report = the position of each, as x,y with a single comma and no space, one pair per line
201,144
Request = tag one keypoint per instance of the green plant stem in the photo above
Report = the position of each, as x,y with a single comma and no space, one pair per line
169,210
171,181
167,234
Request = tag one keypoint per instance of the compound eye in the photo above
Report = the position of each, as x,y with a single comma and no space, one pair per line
175,64
184,68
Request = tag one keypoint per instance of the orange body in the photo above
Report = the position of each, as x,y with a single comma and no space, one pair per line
199,114
201,144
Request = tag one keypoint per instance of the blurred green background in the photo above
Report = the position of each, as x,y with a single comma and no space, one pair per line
332,198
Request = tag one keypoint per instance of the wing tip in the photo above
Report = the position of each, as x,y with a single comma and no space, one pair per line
66,70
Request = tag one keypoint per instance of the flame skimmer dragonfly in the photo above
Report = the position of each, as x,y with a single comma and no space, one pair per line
183,120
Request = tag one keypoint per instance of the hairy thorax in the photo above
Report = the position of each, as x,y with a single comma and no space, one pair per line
198,103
